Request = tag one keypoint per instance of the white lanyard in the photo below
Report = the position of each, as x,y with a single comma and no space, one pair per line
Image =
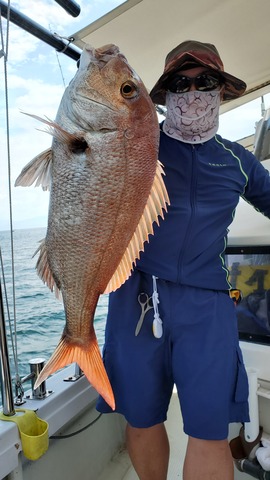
157,323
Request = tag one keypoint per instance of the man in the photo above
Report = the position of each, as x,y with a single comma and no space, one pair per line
183,270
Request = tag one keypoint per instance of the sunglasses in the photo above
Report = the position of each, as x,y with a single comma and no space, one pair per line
205,82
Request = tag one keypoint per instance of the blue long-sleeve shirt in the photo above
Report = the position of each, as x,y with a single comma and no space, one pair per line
204,183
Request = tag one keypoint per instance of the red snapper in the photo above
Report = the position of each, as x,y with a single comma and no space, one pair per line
106,190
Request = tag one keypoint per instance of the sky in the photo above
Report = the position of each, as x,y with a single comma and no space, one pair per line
36,79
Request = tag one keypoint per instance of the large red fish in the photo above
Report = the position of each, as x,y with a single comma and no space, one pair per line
106,191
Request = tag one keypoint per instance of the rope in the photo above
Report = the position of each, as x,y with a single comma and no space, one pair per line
69,40
157,323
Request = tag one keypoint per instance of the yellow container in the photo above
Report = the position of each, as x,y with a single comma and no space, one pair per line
33,432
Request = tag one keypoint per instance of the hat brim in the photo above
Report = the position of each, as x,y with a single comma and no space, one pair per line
233,86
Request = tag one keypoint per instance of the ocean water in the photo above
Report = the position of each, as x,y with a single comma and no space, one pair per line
40,317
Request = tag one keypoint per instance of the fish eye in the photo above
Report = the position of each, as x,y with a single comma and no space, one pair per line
128,90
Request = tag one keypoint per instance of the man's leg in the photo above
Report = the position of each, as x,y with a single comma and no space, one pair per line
208,460
149,450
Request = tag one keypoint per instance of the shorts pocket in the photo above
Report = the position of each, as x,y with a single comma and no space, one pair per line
241,385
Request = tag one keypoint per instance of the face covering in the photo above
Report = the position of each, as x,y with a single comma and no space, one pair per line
192,117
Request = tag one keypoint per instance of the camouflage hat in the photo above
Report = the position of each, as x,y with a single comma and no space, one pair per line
201,54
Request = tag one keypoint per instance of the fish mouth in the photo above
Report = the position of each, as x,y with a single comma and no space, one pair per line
99,56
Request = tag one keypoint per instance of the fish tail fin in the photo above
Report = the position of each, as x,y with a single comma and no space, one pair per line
88,358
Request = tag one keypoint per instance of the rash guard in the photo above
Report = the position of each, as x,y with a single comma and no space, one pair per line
204,182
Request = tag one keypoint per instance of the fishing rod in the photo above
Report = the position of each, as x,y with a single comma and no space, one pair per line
38,31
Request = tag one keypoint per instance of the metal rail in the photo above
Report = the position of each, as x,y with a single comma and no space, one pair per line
6,384
38,31
70,6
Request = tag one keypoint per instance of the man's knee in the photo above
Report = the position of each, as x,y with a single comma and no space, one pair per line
200,448
144,432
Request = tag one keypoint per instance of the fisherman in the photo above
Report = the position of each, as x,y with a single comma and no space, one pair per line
196,345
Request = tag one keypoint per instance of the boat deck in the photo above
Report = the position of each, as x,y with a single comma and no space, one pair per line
120,466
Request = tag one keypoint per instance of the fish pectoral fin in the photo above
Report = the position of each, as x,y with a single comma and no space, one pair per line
157,202
88,358
39,170
75,141
44,271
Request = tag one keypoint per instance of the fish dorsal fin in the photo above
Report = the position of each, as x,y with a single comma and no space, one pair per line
39,170
156,203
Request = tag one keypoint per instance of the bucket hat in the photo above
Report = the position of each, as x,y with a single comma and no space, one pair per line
198,53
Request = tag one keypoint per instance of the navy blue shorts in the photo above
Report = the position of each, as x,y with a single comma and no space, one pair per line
198,351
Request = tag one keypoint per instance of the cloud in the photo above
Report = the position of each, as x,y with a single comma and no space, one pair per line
32,96
53,17
20,45
36,97
49,14
28,202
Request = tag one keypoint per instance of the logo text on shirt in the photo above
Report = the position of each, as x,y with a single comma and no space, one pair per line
218,164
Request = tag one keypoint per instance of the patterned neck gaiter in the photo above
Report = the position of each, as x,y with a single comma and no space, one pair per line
192,117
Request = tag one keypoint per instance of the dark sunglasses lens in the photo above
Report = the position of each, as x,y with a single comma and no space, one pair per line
203,83
179,84
206,83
